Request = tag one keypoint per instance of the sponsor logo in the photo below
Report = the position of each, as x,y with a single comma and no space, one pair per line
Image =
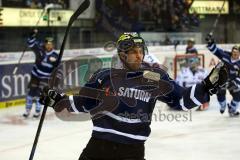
134,93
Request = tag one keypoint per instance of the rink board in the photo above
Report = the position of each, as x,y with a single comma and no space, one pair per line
13,88
12,103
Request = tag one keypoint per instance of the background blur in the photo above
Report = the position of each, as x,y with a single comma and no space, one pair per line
172,20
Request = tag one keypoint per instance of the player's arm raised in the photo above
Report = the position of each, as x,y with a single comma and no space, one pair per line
211,45
33,42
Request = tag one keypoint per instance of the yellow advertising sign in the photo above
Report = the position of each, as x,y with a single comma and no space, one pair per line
29,17
12,103
209,7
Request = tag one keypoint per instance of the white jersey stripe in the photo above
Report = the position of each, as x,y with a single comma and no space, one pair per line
31,45
193,98
35,74
137,137
47,65
182,105
212,46
72,104
215,50
122,119
31,40
43,73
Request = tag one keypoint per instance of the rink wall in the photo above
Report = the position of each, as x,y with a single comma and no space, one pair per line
13,88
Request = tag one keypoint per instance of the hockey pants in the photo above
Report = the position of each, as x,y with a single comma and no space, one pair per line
99,149
35,86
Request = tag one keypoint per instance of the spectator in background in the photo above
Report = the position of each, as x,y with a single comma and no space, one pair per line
194,20
43,3
175,22
157,16
133,8
188,4
190,47
167,41
185,21
62,3
174,14
34,4
181,13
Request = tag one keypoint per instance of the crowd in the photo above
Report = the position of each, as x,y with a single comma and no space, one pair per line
34,3
43,3
163,15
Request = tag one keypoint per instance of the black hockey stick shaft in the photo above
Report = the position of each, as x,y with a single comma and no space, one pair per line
81,9
19,60
25,48
217,19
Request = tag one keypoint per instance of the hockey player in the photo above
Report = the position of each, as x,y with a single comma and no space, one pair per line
191,75
231,59
121,101
45,62
190,47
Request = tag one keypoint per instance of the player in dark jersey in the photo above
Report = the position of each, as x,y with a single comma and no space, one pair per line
232,61
45,62
121,101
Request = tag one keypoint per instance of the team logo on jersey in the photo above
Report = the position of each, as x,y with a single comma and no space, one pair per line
134,93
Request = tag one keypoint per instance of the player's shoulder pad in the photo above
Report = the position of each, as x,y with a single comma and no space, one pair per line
163,74
100,74
227,52
55,52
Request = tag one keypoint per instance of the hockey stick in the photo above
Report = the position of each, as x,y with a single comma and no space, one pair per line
81,9
47,7
217,19
19,60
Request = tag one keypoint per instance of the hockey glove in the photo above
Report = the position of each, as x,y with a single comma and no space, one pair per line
51,97
216,79
33,33
209,39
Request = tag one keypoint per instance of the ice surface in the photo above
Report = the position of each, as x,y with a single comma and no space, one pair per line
207,135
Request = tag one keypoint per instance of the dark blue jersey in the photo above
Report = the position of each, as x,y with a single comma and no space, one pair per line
232,65
124,116
44,62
